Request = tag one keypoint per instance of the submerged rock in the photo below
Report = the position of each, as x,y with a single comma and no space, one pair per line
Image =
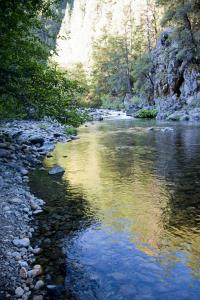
56,170
55,290
167,129
39,285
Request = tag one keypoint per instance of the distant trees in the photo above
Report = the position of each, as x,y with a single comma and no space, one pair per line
121,62
150,21
113,59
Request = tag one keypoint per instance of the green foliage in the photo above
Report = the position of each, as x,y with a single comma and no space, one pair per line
136,100
70,130
113,58
146,114
198,52
110,103
142,77
30,85
184,16
43,126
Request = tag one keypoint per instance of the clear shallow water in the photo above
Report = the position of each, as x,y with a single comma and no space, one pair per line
127,210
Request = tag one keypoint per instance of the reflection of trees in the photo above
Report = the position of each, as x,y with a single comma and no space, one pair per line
178,161
140,182
65,212
116,181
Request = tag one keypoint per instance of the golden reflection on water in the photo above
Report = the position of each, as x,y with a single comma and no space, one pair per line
125,193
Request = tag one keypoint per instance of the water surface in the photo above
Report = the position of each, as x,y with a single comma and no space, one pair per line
124,218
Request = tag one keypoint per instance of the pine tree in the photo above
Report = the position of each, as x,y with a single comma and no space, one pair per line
184,15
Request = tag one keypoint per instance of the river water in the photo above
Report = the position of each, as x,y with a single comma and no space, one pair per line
124,220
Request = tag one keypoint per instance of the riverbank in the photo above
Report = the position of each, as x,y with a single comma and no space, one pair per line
23,145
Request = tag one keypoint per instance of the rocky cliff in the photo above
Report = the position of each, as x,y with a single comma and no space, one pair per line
176,80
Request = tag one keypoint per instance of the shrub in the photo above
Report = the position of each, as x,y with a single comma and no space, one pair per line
70,130
146,113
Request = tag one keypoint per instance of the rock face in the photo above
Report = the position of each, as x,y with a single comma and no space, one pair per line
176,81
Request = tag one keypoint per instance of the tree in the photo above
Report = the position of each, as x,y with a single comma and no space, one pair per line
28,79
184,15
150,21
113,58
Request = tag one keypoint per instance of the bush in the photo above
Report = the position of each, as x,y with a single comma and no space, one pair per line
31,86
70,130
146,114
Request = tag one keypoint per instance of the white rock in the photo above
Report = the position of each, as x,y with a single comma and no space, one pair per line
167,129
25,242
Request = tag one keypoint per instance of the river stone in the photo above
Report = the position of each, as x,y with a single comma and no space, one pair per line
19,292
56,170
16,255
14,200
39,285
25,242
37,270
23,273
23,171
23,264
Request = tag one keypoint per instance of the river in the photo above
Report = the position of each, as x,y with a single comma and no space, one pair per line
123,221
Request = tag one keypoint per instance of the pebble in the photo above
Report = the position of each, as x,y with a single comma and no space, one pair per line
15,201
23,264
37,250
23,273
34,206
36,271
19,292
23,171
25,242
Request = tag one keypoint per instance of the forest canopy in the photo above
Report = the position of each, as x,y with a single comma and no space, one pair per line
31,85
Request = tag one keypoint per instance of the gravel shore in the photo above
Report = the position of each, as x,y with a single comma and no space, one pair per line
23,145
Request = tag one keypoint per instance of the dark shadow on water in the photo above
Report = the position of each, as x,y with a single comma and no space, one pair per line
63,215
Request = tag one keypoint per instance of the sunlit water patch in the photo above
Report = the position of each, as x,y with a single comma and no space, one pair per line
126,211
